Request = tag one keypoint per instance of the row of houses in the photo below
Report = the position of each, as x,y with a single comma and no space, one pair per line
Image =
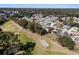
75,19
46,22
49,22
9,12
72,32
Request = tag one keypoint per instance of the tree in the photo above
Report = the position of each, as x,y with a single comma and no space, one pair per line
60,19
75,24
38,28
10,45
22,23
67,42
31,26
28,47
43,31
2,21
7,39
11,49
0,29
34,27
70,21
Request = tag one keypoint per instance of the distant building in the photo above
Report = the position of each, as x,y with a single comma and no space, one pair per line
75,38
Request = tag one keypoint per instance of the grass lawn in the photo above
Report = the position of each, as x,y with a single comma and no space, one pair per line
9,26
22,36
40,52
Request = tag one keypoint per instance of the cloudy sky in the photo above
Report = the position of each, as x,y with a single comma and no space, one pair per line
39,5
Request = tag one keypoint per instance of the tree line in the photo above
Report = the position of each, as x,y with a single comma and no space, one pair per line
34,27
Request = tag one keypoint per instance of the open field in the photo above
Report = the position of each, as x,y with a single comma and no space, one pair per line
22,36
27,36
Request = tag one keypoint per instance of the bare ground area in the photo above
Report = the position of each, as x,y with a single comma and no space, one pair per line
54,47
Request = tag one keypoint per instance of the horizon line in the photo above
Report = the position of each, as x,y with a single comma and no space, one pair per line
74,6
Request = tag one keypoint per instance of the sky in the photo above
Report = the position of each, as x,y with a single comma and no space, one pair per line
39,5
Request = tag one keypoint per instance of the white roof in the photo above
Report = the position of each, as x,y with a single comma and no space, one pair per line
75,38
75,18
66,26
63,18
68,17
25,17
74,28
